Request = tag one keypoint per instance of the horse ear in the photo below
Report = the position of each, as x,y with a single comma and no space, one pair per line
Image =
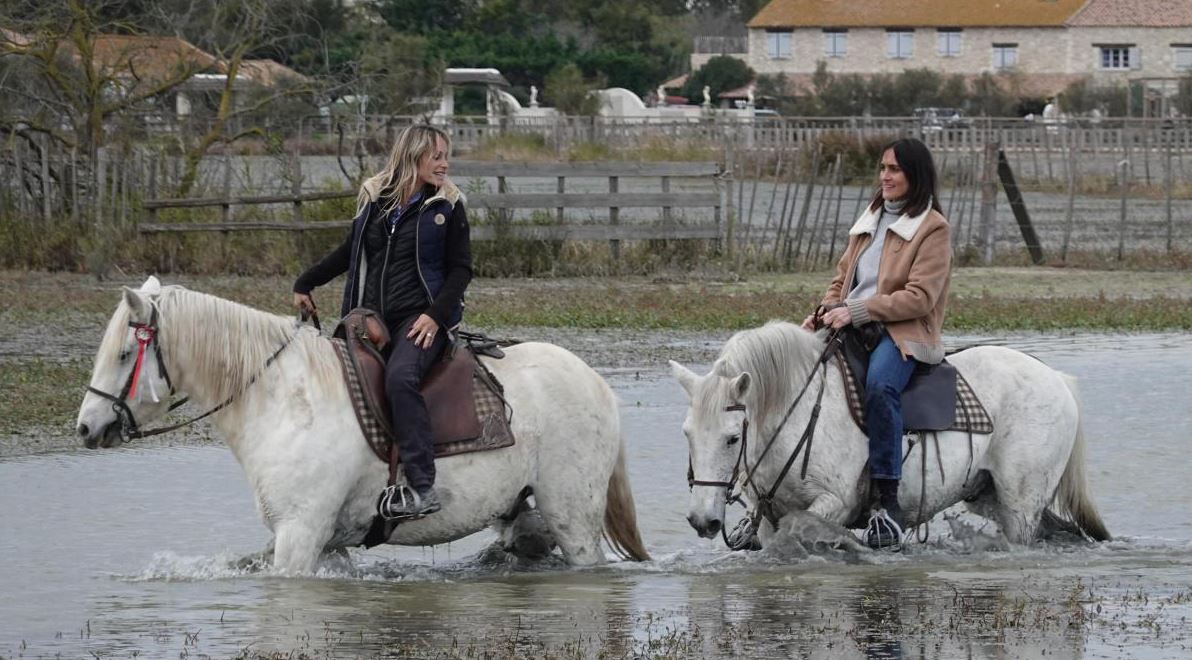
720,368
686,377
152,286
739,386
139,303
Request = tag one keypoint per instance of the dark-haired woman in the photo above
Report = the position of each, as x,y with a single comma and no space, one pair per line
895,273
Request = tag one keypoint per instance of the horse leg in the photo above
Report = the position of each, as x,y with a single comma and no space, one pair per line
829,507
297,546
574,522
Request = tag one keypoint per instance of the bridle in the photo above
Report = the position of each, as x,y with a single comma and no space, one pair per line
146,335
765,501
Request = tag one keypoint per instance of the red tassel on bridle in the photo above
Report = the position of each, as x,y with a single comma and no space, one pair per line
144,336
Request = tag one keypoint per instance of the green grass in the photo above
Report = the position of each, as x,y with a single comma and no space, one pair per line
41,393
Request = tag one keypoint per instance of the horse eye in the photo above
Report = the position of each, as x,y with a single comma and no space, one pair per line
124,356
734,440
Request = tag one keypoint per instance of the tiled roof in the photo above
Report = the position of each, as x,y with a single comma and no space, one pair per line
152,59
10,38
270,72
919,13
1134,13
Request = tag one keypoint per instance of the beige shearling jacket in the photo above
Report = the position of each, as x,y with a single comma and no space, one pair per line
912,281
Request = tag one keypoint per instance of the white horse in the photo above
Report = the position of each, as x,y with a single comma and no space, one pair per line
1034,457
291,426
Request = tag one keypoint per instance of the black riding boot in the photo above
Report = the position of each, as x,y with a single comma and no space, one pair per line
885,528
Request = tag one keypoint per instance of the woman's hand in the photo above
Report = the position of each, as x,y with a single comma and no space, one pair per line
836,318
304,303
422,331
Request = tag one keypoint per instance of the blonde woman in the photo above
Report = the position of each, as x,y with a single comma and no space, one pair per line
408,257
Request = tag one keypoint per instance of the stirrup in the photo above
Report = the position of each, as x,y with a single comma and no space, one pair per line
883,532
402,498
743,536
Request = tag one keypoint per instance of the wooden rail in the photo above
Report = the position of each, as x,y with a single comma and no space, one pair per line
504,201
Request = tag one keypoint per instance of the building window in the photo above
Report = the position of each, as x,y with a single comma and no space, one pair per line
900,44
835,43
778,45
949,42
1115,57
1182,58
1005,56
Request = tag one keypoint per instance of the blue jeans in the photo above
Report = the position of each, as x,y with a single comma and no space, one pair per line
404,370
887,378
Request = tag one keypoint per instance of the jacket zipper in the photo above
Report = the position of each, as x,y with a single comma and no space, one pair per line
418,251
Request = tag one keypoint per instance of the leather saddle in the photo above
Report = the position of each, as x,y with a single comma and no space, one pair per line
448,387
929,400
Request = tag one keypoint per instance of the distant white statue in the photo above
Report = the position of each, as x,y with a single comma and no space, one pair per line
533,96
1051,111
749,96
707,96
661,94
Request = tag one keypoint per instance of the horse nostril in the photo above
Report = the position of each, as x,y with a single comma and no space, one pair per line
714,527
84,431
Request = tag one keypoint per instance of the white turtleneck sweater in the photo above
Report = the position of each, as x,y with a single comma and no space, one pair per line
870,260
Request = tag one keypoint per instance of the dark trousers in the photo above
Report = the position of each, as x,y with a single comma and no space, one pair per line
404,369
887,378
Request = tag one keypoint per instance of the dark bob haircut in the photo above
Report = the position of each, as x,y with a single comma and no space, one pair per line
915,161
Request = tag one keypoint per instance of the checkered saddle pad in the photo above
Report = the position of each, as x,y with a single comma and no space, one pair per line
971,415
457,427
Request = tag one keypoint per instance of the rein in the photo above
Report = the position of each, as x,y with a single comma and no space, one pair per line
146,334
765,502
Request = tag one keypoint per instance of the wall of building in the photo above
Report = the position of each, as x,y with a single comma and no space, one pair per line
1154,44
1040,51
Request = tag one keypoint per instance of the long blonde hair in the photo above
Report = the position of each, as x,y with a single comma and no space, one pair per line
399,178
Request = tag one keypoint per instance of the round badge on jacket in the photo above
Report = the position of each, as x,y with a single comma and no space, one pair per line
440,219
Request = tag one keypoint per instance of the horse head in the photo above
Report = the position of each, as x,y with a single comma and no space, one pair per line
129,382
716,428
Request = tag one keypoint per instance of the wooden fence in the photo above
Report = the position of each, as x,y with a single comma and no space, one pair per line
500,203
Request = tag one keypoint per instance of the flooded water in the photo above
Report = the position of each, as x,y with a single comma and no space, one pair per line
133,552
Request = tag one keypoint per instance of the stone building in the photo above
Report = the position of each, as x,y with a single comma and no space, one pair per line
1044,44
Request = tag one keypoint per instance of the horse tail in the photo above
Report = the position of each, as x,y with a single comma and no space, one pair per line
1073,492
620,516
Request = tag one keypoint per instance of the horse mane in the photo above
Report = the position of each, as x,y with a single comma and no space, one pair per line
231,343
777,356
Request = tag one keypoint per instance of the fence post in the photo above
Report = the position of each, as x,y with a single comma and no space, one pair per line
560,187
988,201
296,185
100,184
153,187
46,191
1167,185
19,178
614,219
1070,208
1124,185
226,207
74,186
